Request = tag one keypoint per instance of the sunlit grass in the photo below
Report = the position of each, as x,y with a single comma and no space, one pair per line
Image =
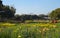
29,30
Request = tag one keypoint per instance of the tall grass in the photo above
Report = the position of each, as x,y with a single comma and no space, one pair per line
32,30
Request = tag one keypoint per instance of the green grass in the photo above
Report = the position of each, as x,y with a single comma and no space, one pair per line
30,30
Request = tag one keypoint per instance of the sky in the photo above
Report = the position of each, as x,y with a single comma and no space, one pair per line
33,6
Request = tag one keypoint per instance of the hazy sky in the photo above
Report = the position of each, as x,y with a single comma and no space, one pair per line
33,6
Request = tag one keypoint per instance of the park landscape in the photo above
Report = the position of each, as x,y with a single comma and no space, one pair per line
28,26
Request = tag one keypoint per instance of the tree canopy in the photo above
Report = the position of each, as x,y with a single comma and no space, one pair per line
55,14
7,11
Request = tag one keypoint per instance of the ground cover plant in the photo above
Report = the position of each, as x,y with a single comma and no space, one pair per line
29,30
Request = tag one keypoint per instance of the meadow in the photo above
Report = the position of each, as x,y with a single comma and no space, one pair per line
29,30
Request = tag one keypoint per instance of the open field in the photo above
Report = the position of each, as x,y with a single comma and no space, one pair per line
29,30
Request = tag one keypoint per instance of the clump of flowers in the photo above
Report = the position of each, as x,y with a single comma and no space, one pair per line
45,29
8,24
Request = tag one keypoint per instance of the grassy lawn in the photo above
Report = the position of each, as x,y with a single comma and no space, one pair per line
29,30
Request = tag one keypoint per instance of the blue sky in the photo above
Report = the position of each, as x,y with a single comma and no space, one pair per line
33,6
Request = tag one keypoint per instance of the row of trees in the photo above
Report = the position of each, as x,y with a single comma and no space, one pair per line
31,17
54,15
7,12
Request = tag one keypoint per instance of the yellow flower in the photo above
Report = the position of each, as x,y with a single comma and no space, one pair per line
54,26
39,31
34,25
19,36
44,29
47,28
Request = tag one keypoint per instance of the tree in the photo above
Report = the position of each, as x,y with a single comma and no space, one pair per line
9,12
55,14
17,17
6,11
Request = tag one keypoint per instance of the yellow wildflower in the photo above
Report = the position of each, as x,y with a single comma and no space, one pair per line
54,26
19,36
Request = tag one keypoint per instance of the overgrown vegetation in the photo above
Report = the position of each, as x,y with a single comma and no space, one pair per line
28,26
31,30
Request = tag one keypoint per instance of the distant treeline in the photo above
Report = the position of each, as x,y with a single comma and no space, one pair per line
8,13
30,17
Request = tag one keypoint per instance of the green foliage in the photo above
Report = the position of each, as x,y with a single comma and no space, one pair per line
32,30
6,11
55,14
